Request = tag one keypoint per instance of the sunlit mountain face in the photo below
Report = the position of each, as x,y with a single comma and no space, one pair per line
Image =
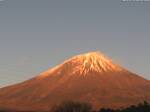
85,63
90,77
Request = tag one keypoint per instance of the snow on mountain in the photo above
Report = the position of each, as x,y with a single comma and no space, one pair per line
84,63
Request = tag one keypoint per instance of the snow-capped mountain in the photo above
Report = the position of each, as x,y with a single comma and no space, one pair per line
89,77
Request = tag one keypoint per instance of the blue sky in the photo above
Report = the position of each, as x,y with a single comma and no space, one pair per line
36,35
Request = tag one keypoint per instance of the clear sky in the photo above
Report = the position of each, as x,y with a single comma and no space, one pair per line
36,35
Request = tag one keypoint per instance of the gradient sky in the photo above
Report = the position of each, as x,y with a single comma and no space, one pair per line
36,35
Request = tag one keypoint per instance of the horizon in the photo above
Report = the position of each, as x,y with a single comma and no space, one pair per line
37,35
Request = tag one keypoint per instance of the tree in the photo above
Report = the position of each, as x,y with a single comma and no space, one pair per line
72,107
141,107
106,110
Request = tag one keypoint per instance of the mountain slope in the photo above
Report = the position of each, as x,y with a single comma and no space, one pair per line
89,77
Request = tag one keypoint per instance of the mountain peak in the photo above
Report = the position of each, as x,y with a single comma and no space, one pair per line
84,63
95,61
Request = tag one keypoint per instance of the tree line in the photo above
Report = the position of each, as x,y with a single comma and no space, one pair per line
85,107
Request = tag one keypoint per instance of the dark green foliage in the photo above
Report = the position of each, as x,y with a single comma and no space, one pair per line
72,107
84,107
142,107
106,110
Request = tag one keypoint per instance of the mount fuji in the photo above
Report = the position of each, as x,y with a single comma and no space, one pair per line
89,77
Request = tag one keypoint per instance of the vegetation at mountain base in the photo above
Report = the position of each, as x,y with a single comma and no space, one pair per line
141,107
71,106
84,107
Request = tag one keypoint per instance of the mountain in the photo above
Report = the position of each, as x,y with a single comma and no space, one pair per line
89,77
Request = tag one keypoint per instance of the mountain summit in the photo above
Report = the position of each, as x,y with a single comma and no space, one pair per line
85,63
89,77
